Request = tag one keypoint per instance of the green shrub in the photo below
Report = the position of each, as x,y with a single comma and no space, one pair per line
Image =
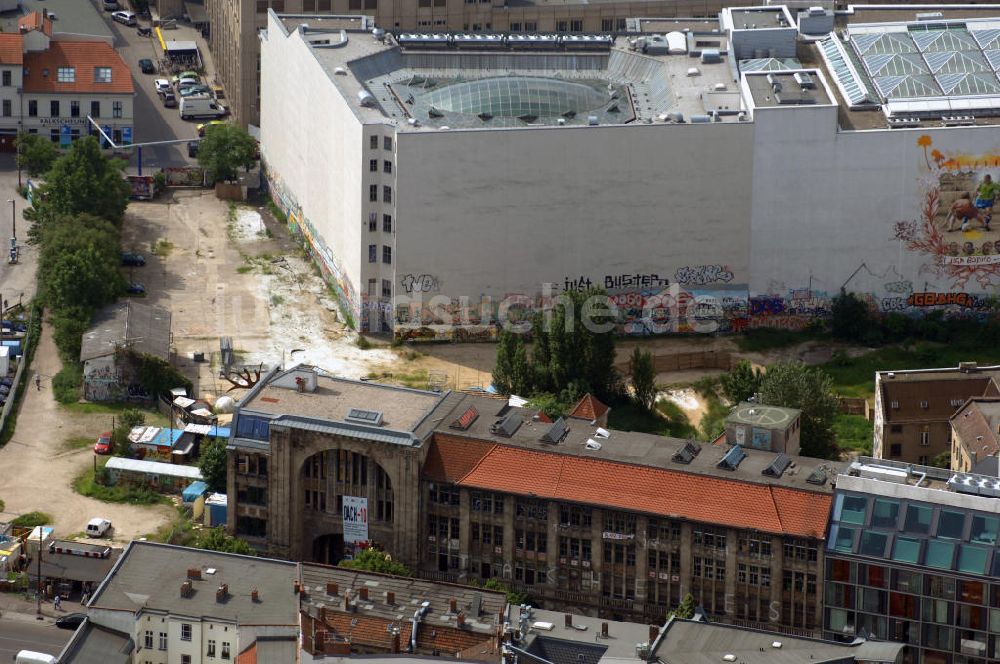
67,383
31,519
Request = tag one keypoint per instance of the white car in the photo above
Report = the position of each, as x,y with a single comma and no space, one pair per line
128,18
162,85
98,527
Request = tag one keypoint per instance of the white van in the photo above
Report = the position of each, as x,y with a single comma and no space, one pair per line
32,657
97,527
201,108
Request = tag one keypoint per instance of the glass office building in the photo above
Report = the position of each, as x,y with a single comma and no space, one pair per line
912,557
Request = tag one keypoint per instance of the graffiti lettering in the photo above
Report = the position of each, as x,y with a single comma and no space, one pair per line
899,287
766,306
580,283
939,299
419,283
619,281
904,230
700,275
894,304
783,322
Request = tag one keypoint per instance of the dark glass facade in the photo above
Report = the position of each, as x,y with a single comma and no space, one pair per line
924,574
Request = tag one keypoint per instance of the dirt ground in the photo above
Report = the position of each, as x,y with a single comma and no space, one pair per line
37,471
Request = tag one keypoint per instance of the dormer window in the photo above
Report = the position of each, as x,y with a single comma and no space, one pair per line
102,74
66,75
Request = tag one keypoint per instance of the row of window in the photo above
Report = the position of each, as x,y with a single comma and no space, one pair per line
210,650
373,222
373,166
386,254
251,464
917,519
373,193
373,285
55,108
916,583
386,143
939,637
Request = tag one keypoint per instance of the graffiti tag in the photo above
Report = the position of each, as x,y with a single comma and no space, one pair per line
894,304
904,230
899,286
703,274
931,299
638,280
419,283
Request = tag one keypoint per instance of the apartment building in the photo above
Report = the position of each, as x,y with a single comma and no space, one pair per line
912,557
913,408
975,436
463,487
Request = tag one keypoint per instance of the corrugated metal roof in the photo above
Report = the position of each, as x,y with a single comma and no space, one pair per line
154,468
378,435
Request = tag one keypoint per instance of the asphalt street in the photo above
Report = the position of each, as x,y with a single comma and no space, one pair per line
23,632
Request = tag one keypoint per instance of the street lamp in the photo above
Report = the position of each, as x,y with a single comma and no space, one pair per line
38,590
13,217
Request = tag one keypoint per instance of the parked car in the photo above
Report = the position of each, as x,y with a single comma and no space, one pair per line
192,149
202,128
128,18
103,444
147,66
182,83
144,32
133,260
201,108
196,91
97,527
162,85
169,99
70,620
111,5
135,288
186,74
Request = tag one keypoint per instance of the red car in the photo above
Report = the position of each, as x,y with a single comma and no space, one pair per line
103,444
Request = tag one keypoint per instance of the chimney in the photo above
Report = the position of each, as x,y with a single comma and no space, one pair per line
194,573
186,589
347,600
297,586
319,641
254,595
654,632
332,588
460,620
363,593
394,647
453,605
390,597
569,620
222,592
604,630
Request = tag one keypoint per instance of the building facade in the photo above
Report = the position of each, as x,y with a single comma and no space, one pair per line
391,230
975,436
461,491
912,557
913,409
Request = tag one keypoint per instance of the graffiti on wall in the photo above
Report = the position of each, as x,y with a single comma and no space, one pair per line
700,275
419,283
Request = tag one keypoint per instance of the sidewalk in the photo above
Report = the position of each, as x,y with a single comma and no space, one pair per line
15,607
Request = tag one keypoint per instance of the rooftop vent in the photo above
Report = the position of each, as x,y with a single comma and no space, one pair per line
222,592
804,80
507,426
592,445
778,466
366,98
732,458
465,420
556,432
687,453
360,416
817,477
929,16
340,71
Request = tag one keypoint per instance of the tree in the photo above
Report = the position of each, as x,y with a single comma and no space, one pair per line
225,150
212,464
84,181
83,278
851,320
513,597
35,153
503,371
794,385
540,354
374,560
216,539
741,383
942,460
128,420
685,610
643,379
68,327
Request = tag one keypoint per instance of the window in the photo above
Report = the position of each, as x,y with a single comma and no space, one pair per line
843,538
561,26
387,143
940,554
984,530
102,74
923,404
371,287
210,649
387,254
972,559
853,509
6,108
308,5
894,405
386,194
918,519
74,109
54,108
925,437
896,428
255,428
386,223
386,288
885,513
354,5
32,108
185,632
6,78
576,25
873,543
373,165
373,193
185,659
895,450
117,108
66,74
54,135
261,6
225,650
906,550
372,253
387,167
372,222
95,109
607,24
163,641
323,6
148,639
373,141
951,524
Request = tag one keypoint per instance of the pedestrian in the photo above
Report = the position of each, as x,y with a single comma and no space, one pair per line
985,196
83,600
57,601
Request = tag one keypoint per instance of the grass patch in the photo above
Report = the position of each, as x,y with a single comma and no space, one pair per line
89,483
763,339
277,300
416,379
67,384
3,505
666,420
362,342
853,433
179,531
162,247
153,418
31,519
243,269
77,443
276,212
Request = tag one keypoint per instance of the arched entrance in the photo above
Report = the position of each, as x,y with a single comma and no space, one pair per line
328,549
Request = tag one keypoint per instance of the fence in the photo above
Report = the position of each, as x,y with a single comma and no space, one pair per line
705,359
855,406
19,374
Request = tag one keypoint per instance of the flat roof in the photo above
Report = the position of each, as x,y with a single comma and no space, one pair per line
664,25
94,644
759,415
144,328
758,18
781,89
148,577
72,18
154,468
584,633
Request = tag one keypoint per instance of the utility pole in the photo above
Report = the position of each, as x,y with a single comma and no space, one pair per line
41,586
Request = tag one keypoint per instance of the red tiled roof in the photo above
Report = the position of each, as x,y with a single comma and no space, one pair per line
451,457
34,21
365,630
248,656
652,490
542,417
11,49
42,68
588,408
